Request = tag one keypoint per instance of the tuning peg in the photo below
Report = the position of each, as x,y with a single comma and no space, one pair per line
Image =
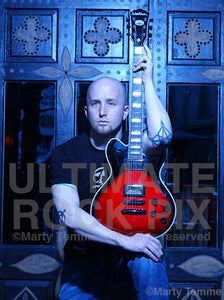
150,35
150,20
150,27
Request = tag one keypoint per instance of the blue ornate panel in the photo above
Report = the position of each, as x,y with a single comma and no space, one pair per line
101,36
26,289
31,35
193,38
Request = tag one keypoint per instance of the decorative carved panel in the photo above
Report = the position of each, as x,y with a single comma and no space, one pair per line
102,36
21,289
193,38
193,291
31,35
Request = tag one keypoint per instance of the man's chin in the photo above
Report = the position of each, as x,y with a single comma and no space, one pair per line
104,130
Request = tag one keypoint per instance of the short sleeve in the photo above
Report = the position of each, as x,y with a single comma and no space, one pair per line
58,173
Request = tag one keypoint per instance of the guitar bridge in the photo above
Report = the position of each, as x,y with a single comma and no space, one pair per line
134,202
134,190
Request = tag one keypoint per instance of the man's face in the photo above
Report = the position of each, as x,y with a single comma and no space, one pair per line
106,107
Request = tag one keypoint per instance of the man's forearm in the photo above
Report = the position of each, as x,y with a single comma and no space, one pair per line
155,112
86,225
159,129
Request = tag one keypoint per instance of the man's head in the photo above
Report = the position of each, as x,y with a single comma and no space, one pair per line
106,106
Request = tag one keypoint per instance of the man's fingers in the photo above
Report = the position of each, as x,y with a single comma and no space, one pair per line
154,255
141,64
155,240
154,246
151,255
148,52
156,249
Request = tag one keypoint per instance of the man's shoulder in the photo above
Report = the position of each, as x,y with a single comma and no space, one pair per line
74,142
73,145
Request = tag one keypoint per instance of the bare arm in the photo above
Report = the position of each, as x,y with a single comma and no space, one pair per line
66,200
159,129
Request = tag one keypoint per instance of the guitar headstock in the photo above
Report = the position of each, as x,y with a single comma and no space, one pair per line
139,23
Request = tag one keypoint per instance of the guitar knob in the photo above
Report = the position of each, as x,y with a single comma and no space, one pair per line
153,213
154,201
166,207
163,219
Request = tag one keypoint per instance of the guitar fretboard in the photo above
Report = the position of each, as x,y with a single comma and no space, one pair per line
135,150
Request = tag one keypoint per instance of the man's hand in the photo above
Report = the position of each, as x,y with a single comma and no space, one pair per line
145,64
144,243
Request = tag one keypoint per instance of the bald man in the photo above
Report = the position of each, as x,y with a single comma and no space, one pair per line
99,262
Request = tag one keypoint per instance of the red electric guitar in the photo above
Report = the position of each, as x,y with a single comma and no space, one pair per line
134,198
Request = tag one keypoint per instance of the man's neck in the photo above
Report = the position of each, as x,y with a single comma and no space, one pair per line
99,141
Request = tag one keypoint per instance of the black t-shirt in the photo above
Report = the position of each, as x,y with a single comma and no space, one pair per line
78,162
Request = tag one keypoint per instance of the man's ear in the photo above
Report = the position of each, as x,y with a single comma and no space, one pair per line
126,111
86,111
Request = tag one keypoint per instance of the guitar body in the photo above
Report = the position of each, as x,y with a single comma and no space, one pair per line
133,198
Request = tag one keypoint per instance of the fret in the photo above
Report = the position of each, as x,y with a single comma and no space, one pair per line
137,128
136,125
137,109
137,114
134,152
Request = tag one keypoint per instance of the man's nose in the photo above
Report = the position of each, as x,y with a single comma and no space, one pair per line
103,110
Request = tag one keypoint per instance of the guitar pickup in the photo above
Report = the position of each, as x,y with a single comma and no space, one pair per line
133,212
133,201
134,190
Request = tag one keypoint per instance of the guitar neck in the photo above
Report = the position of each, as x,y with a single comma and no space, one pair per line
135,147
